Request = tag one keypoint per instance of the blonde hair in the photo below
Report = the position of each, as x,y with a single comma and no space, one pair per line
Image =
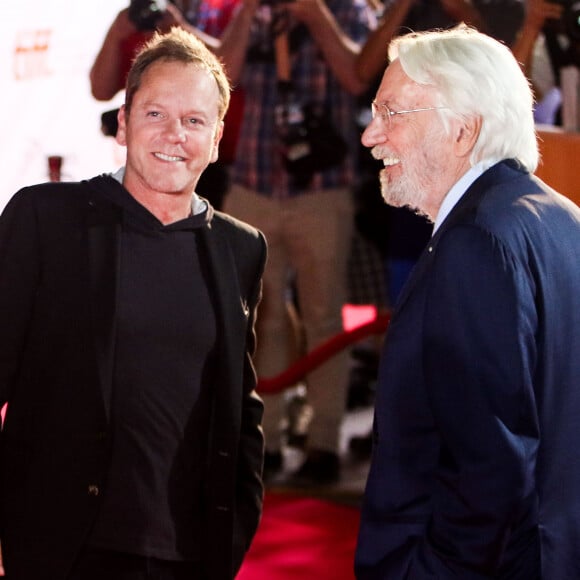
177,45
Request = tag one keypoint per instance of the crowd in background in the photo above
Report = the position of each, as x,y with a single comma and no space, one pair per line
278,166
301,69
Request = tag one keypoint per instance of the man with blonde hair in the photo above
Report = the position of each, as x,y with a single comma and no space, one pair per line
132,446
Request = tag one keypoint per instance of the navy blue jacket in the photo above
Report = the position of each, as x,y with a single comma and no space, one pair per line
476,463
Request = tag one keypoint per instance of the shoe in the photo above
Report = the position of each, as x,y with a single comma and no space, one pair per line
319,468
273,462
299,414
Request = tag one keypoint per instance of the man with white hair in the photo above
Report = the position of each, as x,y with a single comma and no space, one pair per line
474,471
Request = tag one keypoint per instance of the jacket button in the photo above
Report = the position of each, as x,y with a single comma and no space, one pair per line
93,490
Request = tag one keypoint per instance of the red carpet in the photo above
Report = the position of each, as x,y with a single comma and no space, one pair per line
302,538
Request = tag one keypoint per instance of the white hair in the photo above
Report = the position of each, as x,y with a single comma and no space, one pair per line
475,75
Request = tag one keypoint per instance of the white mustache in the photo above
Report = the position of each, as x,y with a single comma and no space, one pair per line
379,152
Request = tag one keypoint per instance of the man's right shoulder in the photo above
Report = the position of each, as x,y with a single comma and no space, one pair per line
50,191
55,194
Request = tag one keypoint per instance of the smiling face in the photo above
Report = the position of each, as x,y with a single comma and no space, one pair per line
420,158
172,132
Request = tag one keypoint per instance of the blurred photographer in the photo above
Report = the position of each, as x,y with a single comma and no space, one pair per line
531,51
295,61
548,49
563,35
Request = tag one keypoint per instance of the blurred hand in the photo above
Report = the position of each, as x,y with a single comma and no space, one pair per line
453,6
307,11
538,11
122,27
172,17
462,11
250,5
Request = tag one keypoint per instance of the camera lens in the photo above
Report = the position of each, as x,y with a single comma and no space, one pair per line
146,13
572,20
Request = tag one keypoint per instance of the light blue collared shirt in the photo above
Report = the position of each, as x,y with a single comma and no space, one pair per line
459,189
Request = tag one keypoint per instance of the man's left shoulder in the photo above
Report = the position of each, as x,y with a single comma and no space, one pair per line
245,244
228,223
502,188
519,206
512,189
240,234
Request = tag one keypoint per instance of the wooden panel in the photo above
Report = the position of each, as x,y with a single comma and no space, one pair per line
560,162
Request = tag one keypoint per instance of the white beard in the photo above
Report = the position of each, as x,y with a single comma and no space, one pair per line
405,191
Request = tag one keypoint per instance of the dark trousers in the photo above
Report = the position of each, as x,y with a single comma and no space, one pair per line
96,564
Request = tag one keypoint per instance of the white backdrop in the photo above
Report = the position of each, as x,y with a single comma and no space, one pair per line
47,48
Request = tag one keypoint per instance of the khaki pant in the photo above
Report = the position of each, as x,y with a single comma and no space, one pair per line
309,237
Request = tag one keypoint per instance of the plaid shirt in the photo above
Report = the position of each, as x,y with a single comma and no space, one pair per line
258,165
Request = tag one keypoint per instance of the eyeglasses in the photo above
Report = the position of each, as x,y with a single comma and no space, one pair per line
385,114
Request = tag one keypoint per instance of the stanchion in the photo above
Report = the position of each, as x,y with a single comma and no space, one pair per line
320,354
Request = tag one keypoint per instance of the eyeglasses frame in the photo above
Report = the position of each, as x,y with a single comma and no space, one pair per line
385,113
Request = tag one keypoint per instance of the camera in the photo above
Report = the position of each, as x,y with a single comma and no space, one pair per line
145,14
309,142
570,20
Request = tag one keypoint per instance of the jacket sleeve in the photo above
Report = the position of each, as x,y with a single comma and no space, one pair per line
480,355
251,449
19,278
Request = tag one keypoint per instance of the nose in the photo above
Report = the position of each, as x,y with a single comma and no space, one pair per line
374,134
175,130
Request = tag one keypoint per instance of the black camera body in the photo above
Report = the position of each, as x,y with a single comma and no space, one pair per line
145,14
570,20
309,141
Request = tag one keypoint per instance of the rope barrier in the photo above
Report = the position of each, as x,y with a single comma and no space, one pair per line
320,354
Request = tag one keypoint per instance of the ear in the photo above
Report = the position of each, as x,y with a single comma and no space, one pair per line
121,135
466,135
219,131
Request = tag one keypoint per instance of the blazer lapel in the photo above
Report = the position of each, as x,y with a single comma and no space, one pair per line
232,316
416,274
104,227
232,312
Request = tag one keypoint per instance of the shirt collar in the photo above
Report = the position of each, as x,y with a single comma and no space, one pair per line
198,205
459,189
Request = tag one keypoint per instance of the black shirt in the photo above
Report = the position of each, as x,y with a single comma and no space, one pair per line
166,334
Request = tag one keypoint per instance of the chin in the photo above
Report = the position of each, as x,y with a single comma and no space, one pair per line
393,193
397,195
170,186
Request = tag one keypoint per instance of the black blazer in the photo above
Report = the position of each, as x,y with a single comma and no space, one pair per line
58,273
475,470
